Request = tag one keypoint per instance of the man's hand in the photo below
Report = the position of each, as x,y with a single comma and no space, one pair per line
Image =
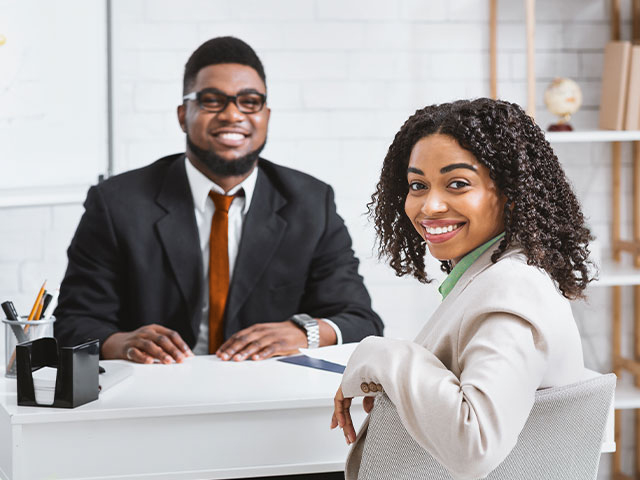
146,344
342,415
263,340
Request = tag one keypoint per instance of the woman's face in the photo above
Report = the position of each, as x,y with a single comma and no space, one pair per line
452,202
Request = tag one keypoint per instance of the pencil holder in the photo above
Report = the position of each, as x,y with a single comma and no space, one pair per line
76,379
23,330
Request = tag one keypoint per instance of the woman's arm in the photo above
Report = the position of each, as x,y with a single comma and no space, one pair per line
469,424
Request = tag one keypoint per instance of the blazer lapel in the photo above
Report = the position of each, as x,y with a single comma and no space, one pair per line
482,263
178,235
261,234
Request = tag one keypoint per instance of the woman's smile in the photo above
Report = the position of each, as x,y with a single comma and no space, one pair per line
438,231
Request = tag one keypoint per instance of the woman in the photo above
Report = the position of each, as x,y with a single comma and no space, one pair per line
478,184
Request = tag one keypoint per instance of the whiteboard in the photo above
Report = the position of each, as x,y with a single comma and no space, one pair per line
53,95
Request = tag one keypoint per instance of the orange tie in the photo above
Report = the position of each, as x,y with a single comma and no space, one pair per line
218,268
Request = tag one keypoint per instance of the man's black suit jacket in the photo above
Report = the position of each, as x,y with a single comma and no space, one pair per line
135,258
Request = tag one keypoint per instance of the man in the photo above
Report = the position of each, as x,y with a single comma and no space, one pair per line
216,250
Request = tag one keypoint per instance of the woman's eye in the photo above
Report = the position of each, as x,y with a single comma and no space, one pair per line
416,186
458,184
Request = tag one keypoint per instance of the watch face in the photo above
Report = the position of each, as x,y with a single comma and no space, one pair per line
303,320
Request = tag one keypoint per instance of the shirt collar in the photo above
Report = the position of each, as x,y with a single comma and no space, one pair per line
201,185
462,266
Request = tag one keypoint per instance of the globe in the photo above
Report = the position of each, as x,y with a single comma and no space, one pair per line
563,98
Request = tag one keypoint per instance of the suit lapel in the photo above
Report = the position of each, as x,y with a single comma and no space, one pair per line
178,235
261,234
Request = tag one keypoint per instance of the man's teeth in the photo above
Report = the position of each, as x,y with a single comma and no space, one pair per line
440,230
231,136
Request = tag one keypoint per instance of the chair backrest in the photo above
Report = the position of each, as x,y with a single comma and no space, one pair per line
561,439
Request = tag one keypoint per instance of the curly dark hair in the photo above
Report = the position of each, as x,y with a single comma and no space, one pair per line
542,215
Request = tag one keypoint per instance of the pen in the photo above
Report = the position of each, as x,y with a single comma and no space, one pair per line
10,311
36,306
12,314
45,303
53,303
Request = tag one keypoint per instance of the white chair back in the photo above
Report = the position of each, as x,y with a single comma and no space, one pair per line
561,439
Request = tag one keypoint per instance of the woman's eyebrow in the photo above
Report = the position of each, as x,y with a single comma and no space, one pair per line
415,170
453,166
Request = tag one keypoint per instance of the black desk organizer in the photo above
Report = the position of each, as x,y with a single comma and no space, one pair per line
77,377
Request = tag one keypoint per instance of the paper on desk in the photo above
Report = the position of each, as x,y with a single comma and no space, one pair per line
44,385
114,373
335,353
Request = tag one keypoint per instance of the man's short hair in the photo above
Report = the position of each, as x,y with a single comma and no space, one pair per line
220,50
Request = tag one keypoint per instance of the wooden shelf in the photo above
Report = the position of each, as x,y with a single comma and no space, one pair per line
627,397
612,273
579,136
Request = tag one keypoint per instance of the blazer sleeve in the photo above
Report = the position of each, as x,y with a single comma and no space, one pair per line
334,289
89,295
469,424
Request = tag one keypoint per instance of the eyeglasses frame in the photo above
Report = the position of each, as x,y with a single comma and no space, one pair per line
195,96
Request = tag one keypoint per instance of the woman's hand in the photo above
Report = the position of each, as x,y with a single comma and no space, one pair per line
342,416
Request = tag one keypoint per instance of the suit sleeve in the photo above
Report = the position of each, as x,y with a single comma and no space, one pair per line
469,424
334,289
89,295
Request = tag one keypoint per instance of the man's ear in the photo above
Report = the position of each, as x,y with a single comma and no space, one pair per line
268,111
182,114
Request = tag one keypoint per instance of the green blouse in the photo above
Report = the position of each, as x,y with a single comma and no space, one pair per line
462,266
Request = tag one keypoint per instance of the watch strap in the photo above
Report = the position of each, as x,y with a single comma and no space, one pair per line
310,326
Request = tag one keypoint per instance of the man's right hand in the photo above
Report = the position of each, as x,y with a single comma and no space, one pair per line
146,344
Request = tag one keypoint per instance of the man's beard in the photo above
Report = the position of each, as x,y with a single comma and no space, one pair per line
222,167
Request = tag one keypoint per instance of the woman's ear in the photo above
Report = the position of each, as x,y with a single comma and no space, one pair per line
511,204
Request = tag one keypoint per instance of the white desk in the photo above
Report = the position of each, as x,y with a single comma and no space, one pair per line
204,419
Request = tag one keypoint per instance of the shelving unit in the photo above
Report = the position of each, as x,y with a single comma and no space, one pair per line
627,397
582,136
613,274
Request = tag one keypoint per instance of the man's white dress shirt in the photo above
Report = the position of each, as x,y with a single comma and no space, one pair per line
204,209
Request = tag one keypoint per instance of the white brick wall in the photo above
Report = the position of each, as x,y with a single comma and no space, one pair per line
342,76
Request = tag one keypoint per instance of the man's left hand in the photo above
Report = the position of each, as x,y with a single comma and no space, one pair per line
263,340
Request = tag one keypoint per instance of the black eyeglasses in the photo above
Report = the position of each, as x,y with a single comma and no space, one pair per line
213,100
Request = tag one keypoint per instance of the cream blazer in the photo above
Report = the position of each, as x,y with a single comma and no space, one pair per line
465,386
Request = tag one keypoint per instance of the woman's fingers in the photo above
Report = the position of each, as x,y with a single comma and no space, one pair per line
367,403
342,416
338,409
347,428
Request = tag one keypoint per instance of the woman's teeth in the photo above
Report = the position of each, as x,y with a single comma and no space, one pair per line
441,230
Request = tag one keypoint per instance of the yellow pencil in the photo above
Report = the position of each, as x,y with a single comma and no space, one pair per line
39,310
36,304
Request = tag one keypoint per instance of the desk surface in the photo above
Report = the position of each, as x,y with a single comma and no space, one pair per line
258,418
202,384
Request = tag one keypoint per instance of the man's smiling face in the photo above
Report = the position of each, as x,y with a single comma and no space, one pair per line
228,134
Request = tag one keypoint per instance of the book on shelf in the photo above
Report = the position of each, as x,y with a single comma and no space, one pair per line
615,80
632,116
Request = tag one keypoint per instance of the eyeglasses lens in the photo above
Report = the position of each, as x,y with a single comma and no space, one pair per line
246,102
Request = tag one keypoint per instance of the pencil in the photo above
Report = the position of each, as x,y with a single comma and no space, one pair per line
39,310
36,304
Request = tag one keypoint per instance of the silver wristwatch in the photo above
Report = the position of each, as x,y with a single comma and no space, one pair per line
309,325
